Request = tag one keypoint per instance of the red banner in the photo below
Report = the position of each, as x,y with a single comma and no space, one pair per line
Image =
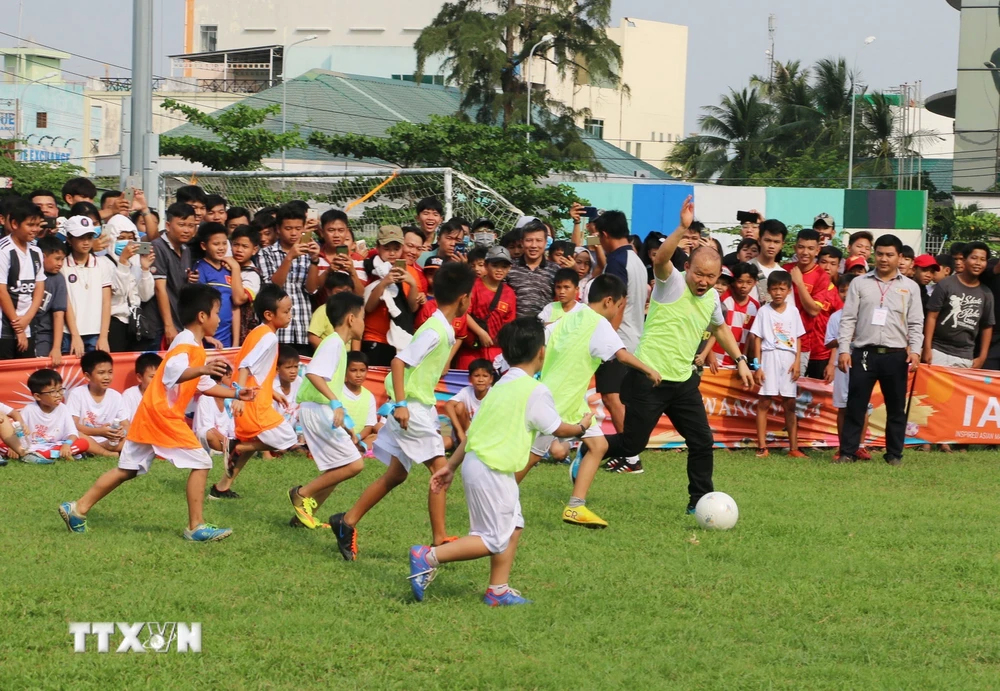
948,405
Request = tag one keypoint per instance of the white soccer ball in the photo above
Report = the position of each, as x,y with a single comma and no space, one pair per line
716,511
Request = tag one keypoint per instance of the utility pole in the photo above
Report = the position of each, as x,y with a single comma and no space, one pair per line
142,154
772,27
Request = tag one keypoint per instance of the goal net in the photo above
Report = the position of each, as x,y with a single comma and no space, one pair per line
371,198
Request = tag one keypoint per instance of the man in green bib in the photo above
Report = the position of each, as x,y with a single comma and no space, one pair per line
681,306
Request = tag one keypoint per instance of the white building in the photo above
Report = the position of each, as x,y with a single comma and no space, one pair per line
376,39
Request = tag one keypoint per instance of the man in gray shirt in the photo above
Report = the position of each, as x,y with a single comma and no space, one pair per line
884,320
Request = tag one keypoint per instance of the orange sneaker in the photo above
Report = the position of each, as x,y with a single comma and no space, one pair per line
864,454
763,453
795,453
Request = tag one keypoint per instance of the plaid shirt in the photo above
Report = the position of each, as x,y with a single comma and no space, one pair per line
271,258
533,287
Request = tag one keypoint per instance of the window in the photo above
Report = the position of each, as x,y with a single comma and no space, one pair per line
41,120
594,127
638,149
661,136
208,38
435,79
628,147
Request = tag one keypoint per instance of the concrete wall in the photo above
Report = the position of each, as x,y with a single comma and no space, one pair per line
977,109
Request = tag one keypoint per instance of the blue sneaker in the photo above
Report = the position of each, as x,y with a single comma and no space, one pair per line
690,510
574,467
421,573
207,533
511,597
74,521
33,458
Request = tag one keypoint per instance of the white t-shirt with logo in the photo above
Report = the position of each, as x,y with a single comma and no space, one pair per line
89,412
23,290
85,284
48,429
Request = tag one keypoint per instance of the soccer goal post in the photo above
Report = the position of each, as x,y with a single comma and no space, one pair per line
371,197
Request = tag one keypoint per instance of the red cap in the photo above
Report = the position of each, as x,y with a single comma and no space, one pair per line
926,261
855,261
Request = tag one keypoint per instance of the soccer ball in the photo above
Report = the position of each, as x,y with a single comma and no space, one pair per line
716,511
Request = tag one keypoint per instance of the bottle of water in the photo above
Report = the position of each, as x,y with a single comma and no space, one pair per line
19,431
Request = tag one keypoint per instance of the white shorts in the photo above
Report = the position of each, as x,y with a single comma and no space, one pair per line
494,503
136,456
841,380
420,442
944,360
542,442
203,439
329,448
280,438
777,378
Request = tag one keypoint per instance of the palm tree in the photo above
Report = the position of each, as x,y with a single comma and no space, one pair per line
690,159
739,128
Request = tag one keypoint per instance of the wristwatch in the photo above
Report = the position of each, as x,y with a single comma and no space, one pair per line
314,262
742,358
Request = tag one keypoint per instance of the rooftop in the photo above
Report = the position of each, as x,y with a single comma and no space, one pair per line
337,103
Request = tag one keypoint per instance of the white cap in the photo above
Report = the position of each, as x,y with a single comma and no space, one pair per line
78,226
524,220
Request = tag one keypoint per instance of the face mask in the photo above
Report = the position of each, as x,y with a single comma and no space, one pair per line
548,242
121,245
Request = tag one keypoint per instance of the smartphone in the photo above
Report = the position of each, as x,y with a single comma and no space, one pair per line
747,217
144,247
312,215
129,194
343,249
50,223
706,234
461,248
590,212
399,264
305,239
593,241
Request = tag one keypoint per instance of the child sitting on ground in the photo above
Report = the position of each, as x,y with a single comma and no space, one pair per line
462,407
52,430
14,444
360,402
564,291
145,370
213,421
97,409
286,390
777,349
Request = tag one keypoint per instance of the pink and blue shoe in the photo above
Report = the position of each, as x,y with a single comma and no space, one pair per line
421,573
509,597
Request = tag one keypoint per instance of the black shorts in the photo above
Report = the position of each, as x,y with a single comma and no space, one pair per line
379,354
609,377
816,369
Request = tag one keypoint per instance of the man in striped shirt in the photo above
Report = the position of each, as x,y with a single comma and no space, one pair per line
532,277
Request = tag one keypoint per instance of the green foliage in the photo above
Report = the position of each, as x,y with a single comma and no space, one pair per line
975,225
499,157
31,176
487,43
815,167
237,141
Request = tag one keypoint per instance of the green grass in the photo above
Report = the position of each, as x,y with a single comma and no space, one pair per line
861,576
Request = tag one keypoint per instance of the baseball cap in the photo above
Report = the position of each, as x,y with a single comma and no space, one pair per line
825,218
387,234
926,261
726,272
78,226
855,261
498,254
524,220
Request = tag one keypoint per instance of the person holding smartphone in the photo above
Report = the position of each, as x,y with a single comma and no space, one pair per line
390,299
337,252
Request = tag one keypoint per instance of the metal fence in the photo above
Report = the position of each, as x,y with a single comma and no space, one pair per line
370,197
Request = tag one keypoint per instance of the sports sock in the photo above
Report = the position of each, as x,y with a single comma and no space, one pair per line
432,558
632,459
499,589
576,503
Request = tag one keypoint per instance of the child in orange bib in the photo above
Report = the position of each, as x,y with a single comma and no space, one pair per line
259,427
159,428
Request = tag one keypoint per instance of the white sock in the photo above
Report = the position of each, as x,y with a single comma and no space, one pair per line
432,558
632,459
499,589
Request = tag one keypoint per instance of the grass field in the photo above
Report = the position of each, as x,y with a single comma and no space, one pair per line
861,576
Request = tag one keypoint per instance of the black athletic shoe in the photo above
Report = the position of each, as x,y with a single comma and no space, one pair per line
213,493
347,537
612,465
894,460
626,467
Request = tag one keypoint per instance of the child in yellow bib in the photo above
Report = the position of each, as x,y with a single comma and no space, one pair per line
577,345
499,439
411,435
328,429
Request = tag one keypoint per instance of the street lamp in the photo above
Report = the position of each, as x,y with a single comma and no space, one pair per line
547,38
284,89
20,101
854,100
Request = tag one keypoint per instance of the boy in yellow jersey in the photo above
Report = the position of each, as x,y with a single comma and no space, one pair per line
577,345
516,408
159,427
329,431
564,288
411,435
259,426
359,401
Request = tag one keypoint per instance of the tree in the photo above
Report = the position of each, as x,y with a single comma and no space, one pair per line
487,42
740,127
28,177
237,140
499,157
